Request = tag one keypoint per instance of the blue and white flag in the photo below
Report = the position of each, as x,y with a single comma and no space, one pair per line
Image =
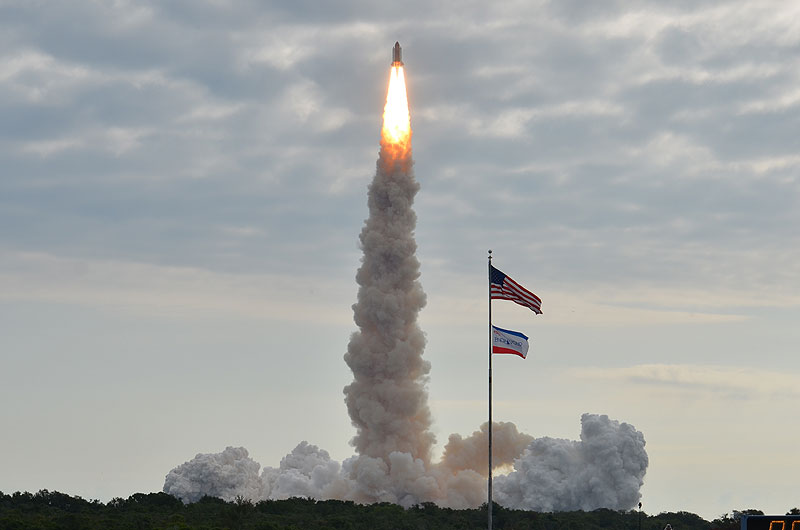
507,341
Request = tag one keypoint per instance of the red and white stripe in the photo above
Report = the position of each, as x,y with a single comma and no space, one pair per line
511,290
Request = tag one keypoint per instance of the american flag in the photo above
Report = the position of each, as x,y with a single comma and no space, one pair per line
503,287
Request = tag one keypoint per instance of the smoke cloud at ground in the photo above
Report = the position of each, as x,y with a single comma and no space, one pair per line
388,405
605,468
226,475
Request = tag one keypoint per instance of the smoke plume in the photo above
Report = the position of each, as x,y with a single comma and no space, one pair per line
225,475
388,401
605,469
473,452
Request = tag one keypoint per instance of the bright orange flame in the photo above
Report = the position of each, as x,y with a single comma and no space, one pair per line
396,120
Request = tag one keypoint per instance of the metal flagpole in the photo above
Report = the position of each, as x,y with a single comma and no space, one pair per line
490,390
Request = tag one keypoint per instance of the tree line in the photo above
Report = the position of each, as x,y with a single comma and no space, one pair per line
48,510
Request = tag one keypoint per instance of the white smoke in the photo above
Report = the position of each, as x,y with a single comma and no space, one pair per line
307,471
388,405
226,475
605,469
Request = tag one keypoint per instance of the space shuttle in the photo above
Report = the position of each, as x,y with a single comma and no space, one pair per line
397,55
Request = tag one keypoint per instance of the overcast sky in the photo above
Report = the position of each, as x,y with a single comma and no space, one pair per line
182,185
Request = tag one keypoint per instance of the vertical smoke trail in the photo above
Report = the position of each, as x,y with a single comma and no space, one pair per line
387,400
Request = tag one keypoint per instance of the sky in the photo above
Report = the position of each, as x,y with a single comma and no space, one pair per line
183,183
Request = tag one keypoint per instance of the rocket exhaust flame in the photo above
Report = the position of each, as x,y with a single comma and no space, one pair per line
396,132
388,401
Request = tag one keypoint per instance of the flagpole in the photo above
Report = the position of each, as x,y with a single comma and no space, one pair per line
490,391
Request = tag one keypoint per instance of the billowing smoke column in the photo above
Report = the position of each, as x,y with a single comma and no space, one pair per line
387,400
